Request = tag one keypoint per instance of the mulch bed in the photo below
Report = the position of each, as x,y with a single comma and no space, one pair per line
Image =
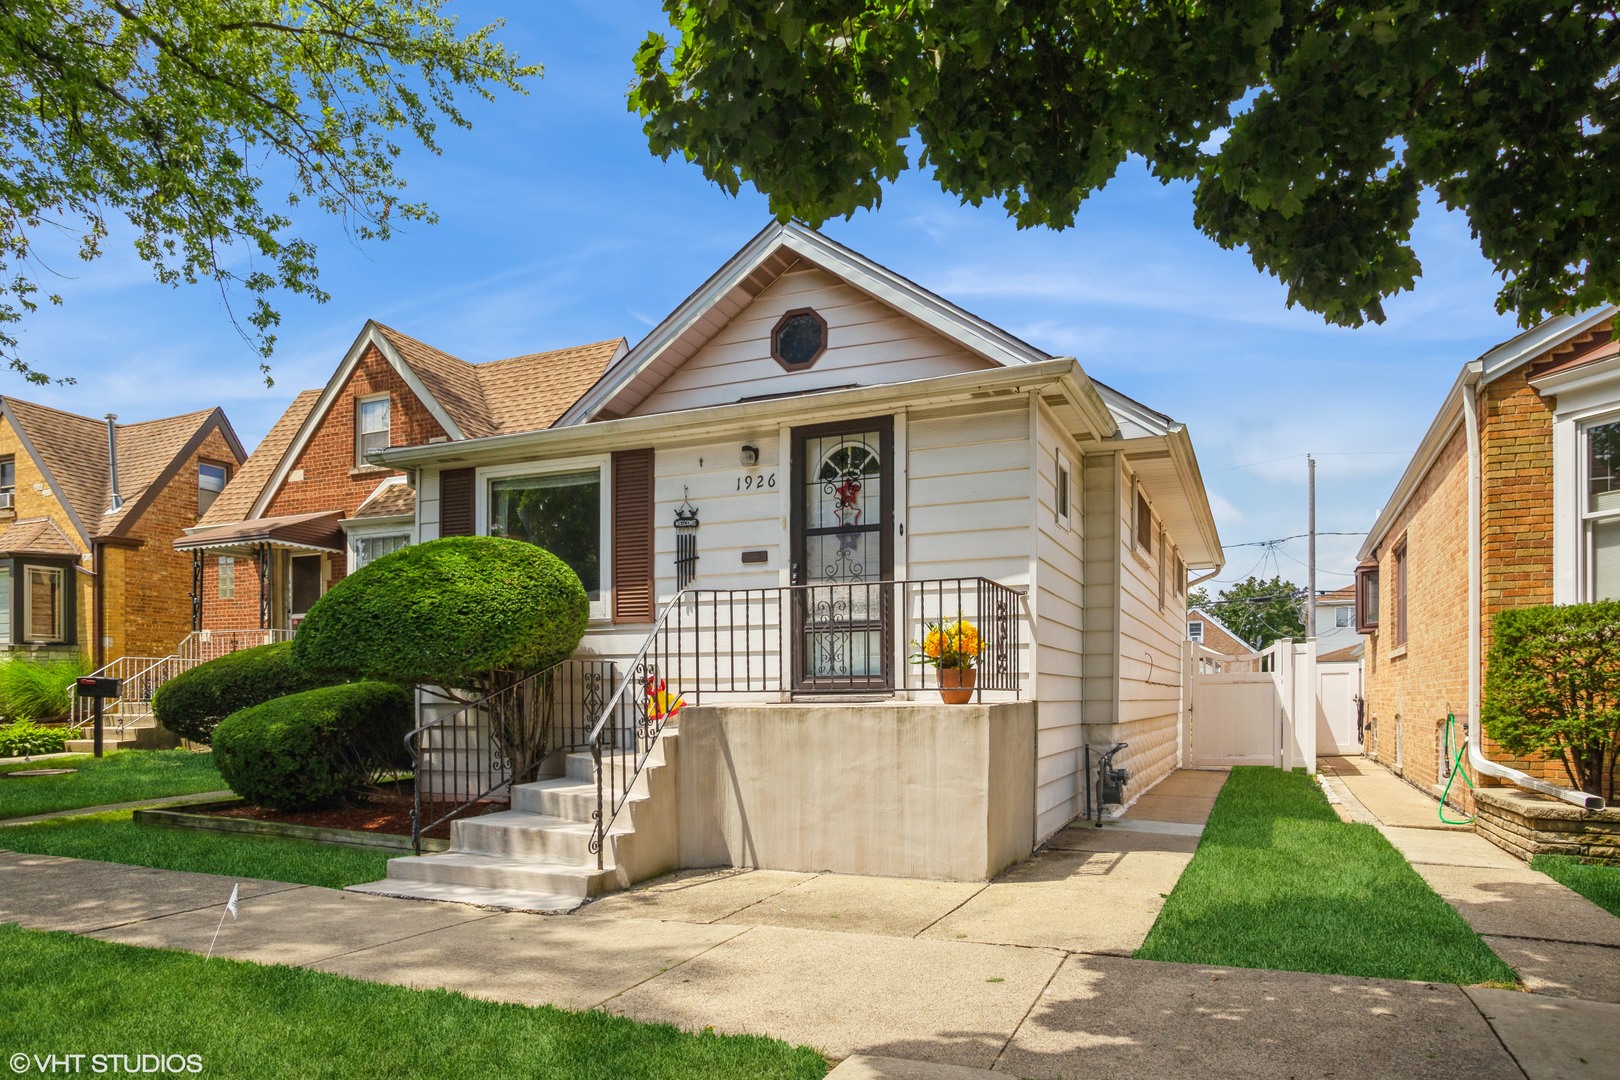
385,810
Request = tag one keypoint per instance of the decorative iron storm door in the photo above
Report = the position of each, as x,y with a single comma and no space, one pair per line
843,556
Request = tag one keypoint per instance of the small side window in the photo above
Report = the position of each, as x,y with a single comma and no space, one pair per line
1144,523
1063,485
1367,598
227,577
1195,630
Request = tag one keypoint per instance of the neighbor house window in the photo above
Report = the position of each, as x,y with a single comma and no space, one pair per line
1367,598
371,427
210,482
370,548
1060,494
1342,616
227,577
8,479
1601,512
5,605
43,614
1195,630
561,512
1400,594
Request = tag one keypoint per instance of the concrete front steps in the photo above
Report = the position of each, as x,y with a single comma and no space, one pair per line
536,856
142,733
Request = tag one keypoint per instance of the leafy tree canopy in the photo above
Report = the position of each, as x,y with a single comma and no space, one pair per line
171,115
1307,130
1257,611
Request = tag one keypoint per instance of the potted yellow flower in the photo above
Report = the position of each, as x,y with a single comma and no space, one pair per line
952,648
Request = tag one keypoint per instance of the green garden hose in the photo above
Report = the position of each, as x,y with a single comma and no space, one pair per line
1456,771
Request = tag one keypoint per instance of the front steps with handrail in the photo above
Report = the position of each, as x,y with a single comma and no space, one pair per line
536,856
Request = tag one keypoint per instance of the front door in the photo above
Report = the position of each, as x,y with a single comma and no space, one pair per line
843,556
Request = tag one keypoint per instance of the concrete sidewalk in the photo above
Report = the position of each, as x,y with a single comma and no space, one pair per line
1559,942
1029,975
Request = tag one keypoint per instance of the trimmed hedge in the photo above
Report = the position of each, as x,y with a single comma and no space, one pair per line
314,748
447,612
194,702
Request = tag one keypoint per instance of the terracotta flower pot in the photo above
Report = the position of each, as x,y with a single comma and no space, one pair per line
956,684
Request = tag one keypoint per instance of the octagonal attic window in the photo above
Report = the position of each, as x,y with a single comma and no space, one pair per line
799,339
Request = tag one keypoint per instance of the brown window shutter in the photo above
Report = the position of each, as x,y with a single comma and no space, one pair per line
456,503
633,584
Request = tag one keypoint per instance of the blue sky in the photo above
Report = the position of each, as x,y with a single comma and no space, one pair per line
557,226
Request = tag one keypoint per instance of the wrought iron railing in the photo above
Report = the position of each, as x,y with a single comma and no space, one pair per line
846,638
140,676
460,758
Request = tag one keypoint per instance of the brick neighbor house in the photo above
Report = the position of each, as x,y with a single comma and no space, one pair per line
1512,499
308,507
87,512
1205,629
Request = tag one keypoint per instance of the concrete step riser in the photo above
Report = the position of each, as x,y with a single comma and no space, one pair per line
542,844
530,878
580,767
573,805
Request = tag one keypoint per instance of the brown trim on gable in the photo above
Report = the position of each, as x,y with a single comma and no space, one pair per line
633,582
1596,344
128,542
163,479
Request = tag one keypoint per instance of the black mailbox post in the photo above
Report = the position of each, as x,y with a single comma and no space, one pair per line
98,689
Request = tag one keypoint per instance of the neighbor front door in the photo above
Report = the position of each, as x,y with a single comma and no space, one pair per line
843,556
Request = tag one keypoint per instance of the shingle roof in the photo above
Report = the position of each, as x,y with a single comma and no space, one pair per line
391,499
35,536
1346,593
236,501
522,393
73,450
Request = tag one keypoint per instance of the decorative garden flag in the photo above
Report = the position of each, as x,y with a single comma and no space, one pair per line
230,905
230,909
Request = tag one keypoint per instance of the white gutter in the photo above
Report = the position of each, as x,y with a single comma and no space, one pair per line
1476,756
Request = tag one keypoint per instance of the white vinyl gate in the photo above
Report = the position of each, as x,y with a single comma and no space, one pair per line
1258,709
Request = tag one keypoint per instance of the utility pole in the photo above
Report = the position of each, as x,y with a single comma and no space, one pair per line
1310,557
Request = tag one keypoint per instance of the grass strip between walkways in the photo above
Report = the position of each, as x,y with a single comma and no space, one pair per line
1280,882
1599,884
122,776
69,995
114,837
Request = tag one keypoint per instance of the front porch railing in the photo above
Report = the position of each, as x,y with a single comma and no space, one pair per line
140,676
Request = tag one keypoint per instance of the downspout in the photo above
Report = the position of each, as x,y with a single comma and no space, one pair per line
98,603
1476,757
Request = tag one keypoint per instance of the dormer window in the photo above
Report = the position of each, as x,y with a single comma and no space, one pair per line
799,339
210,482
371,427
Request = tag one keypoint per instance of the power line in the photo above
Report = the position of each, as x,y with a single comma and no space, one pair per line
1296,536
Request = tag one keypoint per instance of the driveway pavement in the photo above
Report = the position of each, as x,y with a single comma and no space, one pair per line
1028,975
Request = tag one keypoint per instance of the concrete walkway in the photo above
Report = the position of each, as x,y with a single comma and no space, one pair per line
1559,942
1028,975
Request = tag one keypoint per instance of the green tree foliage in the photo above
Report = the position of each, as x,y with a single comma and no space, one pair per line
206,124
458,613
1308,131
468,617
193,702
1552,685
314,748
1257,610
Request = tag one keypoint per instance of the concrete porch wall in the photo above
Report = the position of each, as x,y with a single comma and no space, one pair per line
897,789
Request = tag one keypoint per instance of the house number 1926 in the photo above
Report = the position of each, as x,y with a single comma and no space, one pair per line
756,483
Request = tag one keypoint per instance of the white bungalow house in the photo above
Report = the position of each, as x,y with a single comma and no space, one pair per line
769,499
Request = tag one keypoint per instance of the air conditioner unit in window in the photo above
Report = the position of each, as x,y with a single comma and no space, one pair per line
6,500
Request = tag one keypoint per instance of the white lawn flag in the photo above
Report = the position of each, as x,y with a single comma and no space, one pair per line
230,909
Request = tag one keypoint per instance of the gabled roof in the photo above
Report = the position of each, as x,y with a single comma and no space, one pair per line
1343,595
772,252
393,498
236,501
1203,615
470,401
71,451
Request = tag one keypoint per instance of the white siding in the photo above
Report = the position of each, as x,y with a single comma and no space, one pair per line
968,488
1058,589
1150,635
868,343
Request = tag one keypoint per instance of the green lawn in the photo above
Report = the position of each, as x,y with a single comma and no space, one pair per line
69,995
1599,884
114,837
124,776
1280,882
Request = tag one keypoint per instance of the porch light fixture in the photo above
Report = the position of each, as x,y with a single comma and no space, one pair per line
750,456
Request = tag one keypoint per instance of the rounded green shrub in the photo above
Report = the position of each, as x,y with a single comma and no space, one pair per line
192,703
314,748
448,612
